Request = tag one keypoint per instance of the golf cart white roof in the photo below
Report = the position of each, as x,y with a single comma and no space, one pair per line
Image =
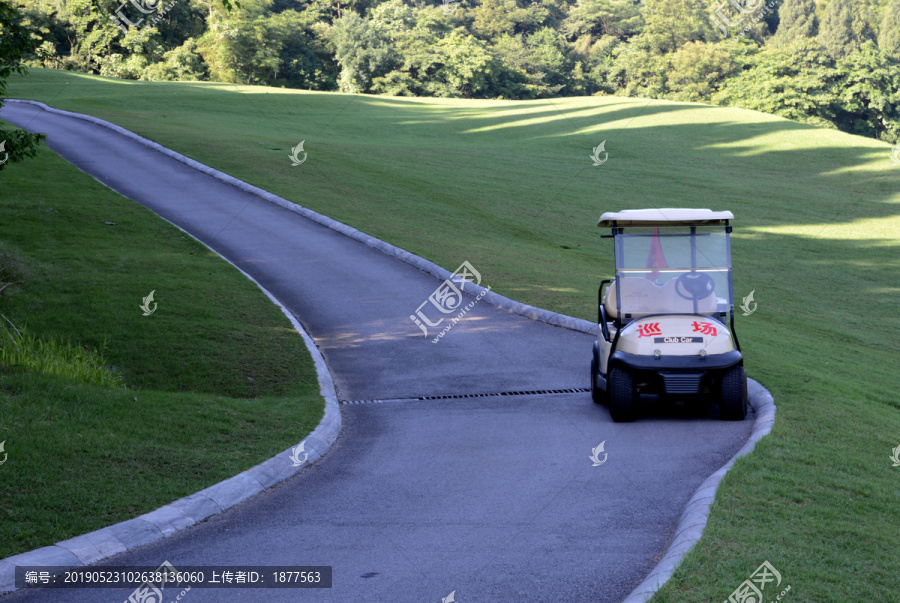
667,216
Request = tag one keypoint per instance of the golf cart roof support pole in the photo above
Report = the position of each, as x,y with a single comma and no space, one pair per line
693,248
734,336
694,302
619,245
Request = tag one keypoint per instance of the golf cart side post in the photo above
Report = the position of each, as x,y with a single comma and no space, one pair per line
666,321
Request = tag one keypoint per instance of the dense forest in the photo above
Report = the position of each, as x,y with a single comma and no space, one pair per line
825,62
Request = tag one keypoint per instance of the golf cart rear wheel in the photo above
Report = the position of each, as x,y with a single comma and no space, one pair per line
597,394
622,396
733,403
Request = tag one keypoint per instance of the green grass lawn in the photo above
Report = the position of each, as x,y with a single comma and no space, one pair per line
213,382
509,186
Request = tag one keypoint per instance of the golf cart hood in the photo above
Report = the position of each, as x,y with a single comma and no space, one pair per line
675,335
667,216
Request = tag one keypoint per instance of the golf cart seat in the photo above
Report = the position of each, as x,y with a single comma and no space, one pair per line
642,297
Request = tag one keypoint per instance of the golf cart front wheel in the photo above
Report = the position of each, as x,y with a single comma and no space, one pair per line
622,396
733,403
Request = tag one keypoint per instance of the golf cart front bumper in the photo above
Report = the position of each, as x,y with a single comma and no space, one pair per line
677,375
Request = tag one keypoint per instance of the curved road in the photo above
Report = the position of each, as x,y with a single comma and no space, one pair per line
492,497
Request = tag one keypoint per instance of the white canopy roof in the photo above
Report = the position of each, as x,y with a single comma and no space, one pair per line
667,216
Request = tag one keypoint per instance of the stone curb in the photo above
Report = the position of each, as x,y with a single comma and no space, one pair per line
693,519
560,320
185,512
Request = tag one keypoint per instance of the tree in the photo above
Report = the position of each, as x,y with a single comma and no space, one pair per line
672,23
797,19
698,68
468,67
794,82
619,18
867,94
638,70
363,50
434,58
494,18
95,35
256,46
537,63
413,36
43,18
600,63
16,44
889,30
239,47
183,63
843,27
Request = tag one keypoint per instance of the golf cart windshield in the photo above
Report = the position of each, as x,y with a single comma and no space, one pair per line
677,269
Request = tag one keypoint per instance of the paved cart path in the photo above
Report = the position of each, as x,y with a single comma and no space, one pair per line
492,497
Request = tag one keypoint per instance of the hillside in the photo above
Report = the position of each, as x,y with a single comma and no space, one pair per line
509,186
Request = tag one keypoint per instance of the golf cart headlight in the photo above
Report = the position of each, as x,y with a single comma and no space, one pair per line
657,354
702,353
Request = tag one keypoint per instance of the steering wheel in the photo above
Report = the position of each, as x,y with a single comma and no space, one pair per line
697,286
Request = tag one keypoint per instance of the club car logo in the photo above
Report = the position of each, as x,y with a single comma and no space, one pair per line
751,590
448,6
449,598
648,329
3,150
895,457
5,454
895,154
704,327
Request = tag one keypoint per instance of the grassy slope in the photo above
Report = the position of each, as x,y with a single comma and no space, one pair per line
509,187
218,380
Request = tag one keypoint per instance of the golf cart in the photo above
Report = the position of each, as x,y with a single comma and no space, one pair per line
666,321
